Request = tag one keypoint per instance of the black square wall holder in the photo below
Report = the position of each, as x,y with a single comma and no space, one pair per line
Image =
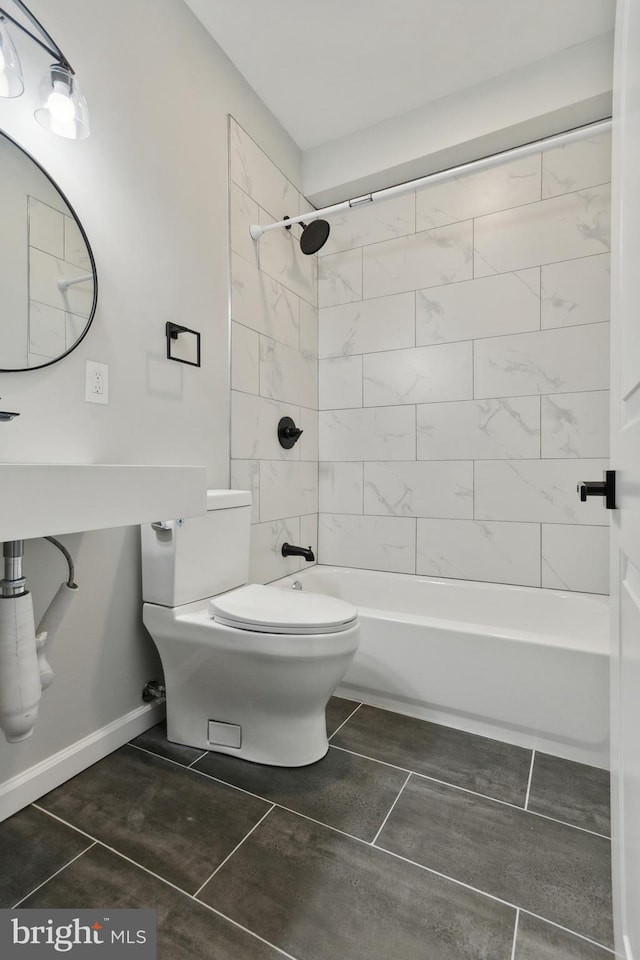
172,332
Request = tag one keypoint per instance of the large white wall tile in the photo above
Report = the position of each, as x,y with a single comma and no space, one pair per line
506,429
287,374
382,433
266,560
575,558
561,228
340,488
245,359
371,222
372,543
46,228
245,161
309,537
538,491
254,428
480,550
308,442
562,360
74,327
426,259
258,176
44,273
575,166
419,375
47,330
488,307
274,347
259,302
245,475
75,248
419,488
576,291
576,425
386,323
278,196
243,211
340,278
476,194
308,329
340,383
280,257
287,489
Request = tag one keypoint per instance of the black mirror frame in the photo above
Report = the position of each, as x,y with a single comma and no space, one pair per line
92,261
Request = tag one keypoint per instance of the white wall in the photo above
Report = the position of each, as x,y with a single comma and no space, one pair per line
150,187
463,376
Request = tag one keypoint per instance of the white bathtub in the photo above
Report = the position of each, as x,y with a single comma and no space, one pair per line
525,665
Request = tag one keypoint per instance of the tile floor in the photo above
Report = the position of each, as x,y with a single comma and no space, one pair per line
408,841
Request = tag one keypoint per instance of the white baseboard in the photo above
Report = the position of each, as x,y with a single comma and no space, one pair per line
33,783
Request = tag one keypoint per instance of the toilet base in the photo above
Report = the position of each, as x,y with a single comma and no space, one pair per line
272,741
256,696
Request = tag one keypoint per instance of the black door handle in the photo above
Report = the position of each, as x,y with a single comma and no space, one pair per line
600,488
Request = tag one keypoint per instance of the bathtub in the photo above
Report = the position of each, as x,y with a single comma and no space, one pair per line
521,664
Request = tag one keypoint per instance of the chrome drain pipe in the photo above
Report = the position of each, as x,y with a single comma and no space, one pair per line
13,583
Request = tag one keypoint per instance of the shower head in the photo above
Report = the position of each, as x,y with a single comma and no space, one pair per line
314,235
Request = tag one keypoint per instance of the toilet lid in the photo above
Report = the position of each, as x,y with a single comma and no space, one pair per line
275,610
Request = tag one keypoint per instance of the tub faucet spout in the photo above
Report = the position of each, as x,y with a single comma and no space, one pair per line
288,550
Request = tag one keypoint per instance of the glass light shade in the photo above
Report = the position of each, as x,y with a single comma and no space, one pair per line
63,109
11,82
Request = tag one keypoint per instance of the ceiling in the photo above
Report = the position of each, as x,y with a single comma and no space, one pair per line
326,69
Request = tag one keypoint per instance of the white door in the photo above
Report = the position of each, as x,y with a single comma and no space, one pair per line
625,557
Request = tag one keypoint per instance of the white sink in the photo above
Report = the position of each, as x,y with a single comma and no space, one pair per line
45,499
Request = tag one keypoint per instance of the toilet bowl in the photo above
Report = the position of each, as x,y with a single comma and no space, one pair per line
248,669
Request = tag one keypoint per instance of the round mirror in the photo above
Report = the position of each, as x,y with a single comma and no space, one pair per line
48,283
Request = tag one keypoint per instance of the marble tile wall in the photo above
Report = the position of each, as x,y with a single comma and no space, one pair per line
274,366
56,252
463,345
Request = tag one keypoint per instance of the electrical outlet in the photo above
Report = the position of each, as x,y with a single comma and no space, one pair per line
96,382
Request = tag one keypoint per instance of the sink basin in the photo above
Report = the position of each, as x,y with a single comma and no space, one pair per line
46,499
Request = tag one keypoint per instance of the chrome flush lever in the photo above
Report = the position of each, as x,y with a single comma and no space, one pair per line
600,488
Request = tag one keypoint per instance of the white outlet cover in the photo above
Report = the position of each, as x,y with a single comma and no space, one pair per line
96,382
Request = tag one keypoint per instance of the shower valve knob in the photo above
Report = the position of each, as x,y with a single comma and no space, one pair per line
288,433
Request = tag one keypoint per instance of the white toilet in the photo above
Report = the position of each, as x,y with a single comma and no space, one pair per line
248,669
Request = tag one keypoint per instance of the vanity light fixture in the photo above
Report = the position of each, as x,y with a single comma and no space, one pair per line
62,108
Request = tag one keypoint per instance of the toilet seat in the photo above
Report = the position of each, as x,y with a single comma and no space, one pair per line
265,609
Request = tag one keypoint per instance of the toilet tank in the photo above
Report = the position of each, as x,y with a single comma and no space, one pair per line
188,560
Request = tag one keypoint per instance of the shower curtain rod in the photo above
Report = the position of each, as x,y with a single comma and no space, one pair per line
559,140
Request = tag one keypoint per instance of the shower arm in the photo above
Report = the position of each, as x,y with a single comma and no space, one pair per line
474,166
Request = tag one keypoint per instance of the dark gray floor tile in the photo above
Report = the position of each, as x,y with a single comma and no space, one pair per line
549,868
172,821
537,940
155,740
342,790
572,792
338,709
488,766
32,847
186,930
319,895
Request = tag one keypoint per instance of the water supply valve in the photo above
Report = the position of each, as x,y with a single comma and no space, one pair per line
288,433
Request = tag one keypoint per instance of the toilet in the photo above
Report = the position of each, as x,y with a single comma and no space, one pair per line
248,669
